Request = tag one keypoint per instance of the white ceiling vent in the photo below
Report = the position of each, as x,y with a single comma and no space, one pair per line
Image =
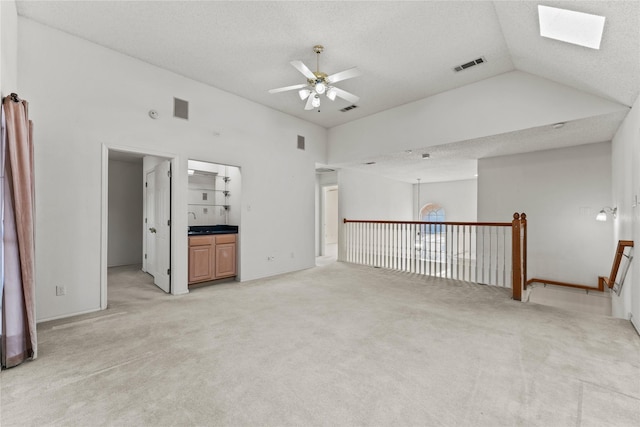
180,108
469,64
350,107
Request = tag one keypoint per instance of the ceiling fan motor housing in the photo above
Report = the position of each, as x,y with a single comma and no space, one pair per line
320,78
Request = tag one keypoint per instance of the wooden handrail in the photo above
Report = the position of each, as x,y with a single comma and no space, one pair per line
482,224
600,287
602,281
616,262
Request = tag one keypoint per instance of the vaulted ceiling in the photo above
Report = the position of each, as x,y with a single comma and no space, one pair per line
406,51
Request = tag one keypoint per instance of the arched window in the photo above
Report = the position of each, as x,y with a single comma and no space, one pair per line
432,212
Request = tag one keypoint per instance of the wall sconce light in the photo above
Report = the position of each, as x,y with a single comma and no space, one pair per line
602,215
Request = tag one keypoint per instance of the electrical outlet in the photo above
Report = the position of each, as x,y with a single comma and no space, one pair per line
61,290
205,211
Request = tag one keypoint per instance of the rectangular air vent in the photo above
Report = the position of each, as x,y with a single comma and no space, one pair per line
350,107
300,142
180,108
469,64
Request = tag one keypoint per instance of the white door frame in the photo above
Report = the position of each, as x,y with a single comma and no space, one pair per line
325,190
162,216
179,240
149,263
323,212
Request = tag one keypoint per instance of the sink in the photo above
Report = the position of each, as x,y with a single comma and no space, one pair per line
197,230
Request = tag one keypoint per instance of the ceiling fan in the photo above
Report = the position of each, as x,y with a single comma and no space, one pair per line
319,83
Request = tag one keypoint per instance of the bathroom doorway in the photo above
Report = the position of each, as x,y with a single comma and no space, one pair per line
136,196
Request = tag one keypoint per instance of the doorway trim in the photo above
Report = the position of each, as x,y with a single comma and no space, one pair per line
104,236
323,218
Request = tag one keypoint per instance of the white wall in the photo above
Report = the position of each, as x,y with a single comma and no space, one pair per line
8,48
366,196
458,198
83,96
626,192
125,213
561,191
501,104
331,215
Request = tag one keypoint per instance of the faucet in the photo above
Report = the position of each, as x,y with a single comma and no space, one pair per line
193,213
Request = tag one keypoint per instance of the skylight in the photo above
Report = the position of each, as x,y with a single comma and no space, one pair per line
569,26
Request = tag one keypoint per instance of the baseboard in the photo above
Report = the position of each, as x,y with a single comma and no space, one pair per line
634,324
64,316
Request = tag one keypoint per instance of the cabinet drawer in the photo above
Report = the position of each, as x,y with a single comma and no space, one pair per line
225,238
200,240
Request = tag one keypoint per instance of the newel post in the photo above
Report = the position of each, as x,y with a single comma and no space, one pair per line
516,256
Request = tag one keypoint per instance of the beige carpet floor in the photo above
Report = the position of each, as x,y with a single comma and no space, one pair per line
338,345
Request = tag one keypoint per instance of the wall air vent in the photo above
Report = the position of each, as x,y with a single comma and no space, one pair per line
180,108
350,107
300,142
324,170
469,64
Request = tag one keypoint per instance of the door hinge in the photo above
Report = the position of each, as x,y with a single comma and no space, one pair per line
169,174
145,220
145,256
169,223
168,271
146,184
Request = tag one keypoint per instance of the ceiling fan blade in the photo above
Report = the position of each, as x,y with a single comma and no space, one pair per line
286,88
309,105
346,95
303,69
344,75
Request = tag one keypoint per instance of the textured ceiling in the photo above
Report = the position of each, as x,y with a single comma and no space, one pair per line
405,49
458,160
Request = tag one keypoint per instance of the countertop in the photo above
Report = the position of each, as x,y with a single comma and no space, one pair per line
200,230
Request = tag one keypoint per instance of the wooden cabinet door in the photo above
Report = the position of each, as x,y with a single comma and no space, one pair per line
225,260
201,263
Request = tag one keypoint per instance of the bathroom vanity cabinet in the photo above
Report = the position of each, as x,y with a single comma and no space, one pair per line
212,257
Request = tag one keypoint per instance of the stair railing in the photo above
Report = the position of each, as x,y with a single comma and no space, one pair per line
611,282
492,253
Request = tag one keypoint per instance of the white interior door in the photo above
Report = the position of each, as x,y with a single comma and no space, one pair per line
162,201
150,224
331,216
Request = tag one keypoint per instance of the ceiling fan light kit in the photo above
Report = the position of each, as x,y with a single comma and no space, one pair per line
319,83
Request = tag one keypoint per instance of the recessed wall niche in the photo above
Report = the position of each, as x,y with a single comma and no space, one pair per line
213,194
